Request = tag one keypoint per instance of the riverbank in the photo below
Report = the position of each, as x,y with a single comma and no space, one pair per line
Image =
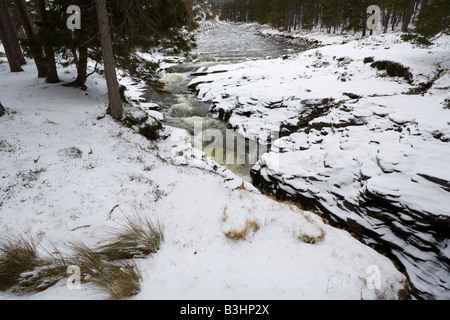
365,127
70,174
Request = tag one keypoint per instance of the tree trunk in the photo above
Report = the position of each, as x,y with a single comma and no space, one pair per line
82,65
2,110
115,103
36,50
408,15
52,71
386,21
82,38
8,35
364,18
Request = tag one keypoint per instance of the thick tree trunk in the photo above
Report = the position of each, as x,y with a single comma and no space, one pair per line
8,35
52,71
36,50
82,65
115,103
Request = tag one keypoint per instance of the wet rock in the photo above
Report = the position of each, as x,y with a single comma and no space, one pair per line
440,136
204,72
150,106
312,110
221,113
352,95
274,104
369,60
192,87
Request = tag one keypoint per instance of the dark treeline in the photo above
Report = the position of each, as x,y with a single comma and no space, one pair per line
337,16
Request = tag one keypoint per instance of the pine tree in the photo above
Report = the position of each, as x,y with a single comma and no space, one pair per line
434,18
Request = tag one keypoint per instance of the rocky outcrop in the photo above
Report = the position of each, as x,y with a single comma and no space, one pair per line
382,180
2,110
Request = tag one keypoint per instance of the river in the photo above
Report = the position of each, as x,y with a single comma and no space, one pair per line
223,43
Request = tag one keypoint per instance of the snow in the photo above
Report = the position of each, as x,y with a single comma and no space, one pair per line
65,166
252,86
387,142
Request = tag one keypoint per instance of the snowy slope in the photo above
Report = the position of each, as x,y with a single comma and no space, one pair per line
65,166
368,150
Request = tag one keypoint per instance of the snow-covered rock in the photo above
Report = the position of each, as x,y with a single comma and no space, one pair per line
368,151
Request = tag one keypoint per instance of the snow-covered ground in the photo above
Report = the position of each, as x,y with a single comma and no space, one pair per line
370,150
65,166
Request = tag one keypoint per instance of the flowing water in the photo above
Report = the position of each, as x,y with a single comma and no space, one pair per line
220,44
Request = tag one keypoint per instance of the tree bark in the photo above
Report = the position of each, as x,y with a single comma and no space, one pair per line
364,18
115,103
386,20
82,38
8,35
2,110
408,15
82,66
36,50
52,71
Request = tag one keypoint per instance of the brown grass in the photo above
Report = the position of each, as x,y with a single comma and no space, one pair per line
137,237
22,269
312,239
250,226
110,268
119,279
18,254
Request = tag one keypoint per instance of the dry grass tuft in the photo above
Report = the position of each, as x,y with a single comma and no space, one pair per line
137,237
22,269
250,225
18,254
110,267
119,279
312,237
